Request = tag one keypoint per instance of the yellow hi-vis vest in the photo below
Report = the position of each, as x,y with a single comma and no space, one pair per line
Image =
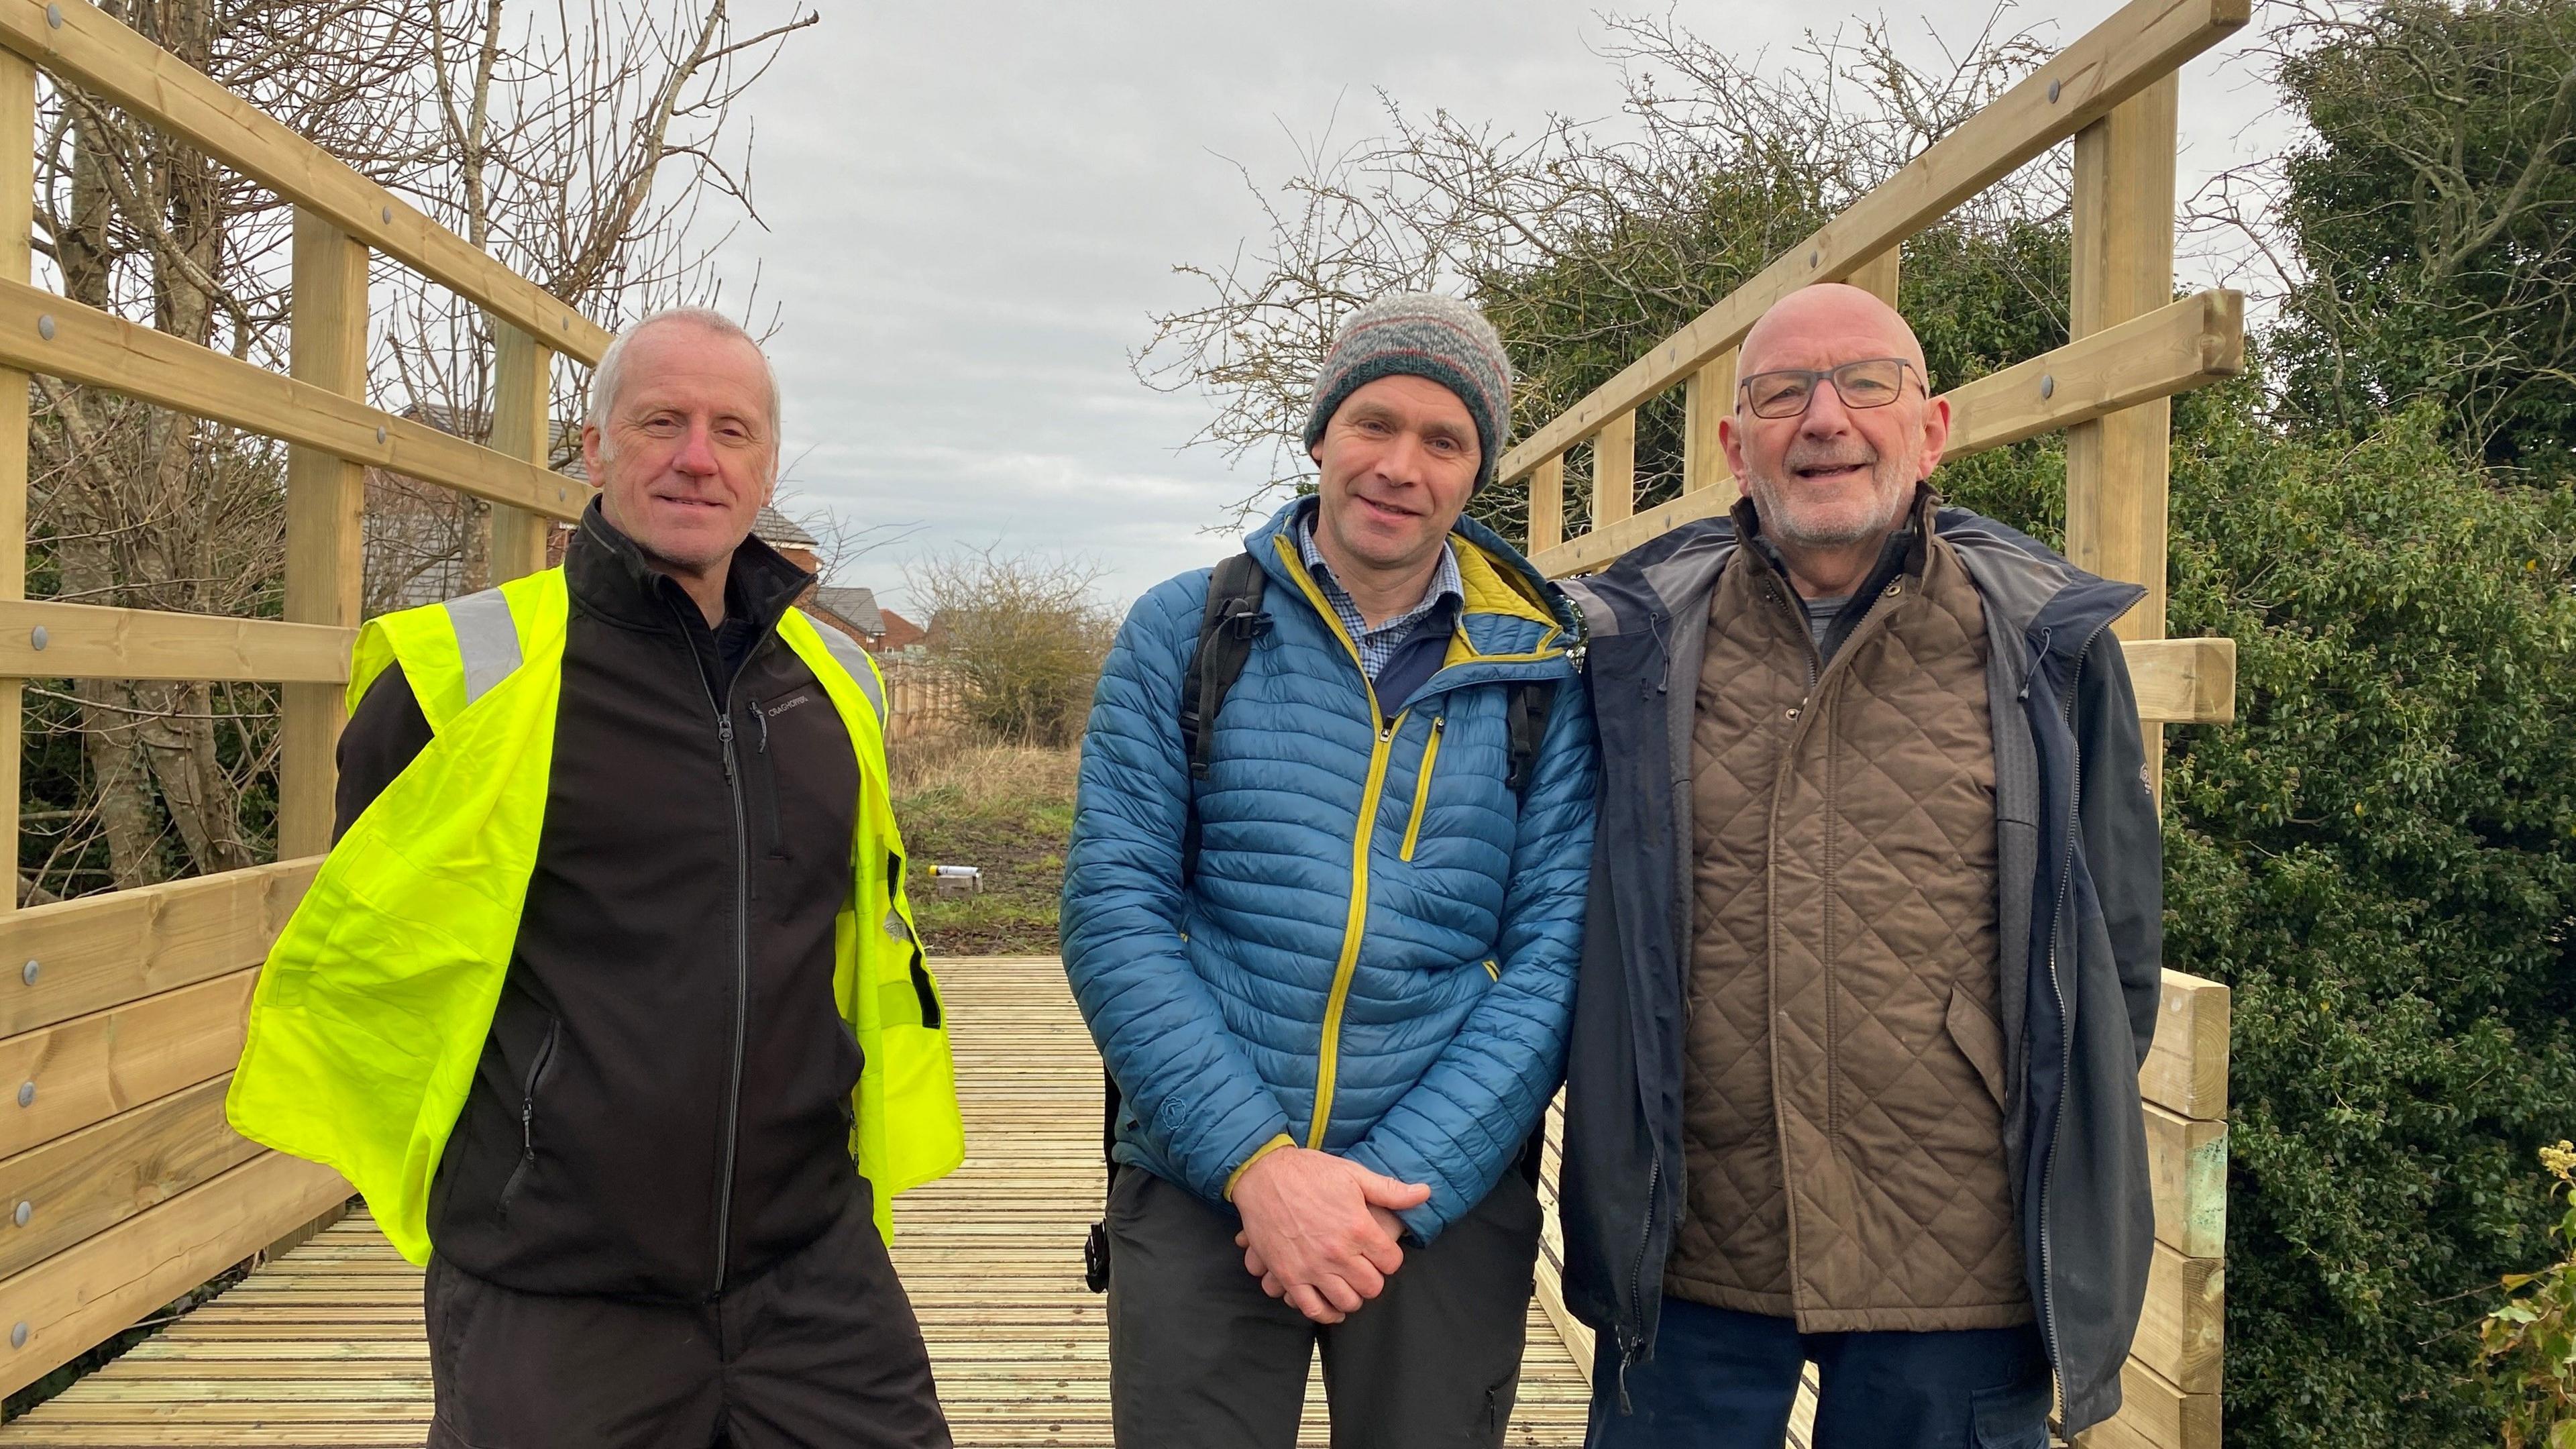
376,1000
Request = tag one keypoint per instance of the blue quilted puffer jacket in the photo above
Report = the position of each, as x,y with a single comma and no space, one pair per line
1377,955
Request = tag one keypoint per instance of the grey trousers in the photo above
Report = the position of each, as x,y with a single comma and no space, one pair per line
1201,1358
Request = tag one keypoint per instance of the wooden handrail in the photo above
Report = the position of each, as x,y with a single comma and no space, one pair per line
45,333
2123,55
86,47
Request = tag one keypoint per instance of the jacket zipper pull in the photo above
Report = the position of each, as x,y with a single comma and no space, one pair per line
761,718
724,736
1627,1356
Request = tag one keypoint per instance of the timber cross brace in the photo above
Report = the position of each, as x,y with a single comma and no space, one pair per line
123,1187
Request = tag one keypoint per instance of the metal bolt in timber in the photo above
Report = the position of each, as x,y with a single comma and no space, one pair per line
2052,91
39,638
26,1094
54,16
45,326
380,432
27,973
25,1214
2048,384
18,1336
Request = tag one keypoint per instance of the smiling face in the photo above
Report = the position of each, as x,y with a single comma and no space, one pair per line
1834,476
1399,459
685,456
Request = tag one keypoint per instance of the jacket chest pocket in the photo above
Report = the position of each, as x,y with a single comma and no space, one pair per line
1422,786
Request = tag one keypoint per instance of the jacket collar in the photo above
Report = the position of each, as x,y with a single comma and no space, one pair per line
1494,577
608,575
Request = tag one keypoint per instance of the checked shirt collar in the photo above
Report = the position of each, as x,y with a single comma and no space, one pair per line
1378,645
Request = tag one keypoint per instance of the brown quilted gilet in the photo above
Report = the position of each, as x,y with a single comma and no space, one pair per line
1843,1063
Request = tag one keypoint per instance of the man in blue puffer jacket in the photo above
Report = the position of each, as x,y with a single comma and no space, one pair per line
1335,1037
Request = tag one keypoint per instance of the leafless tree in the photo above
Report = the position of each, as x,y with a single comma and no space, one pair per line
1442,201
589,146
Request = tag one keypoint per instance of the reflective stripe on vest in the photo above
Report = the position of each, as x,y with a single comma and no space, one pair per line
851,657
486,638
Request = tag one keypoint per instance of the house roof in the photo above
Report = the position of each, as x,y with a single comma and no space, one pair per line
854,607
775,528
900,632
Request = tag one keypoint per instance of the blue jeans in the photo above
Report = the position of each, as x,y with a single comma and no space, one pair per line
1725,1380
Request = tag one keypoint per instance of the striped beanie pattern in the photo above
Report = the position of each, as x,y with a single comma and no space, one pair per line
1418,334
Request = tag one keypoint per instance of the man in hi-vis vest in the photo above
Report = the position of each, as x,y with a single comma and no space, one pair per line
608,996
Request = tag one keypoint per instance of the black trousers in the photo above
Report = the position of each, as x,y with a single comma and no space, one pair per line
1726,1380
1201,1358
820,1350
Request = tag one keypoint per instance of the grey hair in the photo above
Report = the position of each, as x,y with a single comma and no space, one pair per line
604,379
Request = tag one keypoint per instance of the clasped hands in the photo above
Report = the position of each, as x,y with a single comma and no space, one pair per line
1320,1230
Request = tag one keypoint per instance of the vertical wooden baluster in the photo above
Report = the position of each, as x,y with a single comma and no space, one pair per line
325,508
1710,396
522,396
2117,467
17,218
1877,276
1547,505
1614,471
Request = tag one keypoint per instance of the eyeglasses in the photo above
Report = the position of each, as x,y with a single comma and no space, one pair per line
1872,382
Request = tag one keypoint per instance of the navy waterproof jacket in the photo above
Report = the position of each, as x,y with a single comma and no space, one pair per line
1377,954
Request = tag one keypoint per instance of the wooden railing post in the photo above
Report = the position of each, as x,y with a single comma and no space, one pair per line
522,396
1614,470
1707,397
2117,467
1878,276
1547,505
17,219
325,512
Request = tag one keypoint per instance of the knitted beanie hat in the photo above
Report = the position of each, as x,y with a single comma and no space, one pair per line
1417,334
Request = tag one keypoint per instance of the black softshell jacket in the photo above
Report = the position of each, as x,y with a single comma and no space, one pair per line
663,1105
2080,886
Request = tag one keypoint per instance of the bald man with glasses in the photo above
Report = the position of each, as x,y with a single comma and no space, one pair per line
1872,951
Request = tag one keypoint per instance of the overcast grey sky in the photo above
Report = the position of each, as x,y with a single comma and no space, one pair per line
974,208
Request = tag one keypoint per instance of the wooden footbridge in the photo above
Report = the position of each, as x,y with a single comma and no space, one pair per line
121,1188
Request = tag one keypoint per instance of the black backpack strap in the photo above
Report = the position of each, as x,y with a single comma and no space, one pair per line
1525,716
1227,627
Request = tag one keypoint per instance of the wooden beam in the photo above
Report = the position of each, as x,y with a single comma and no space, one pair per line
83,45
1878,276
17,221
2189,344
2178,347
40,639
76,957
2186,1070
326,500
2117,468
2187,1172
90,1068
2141,43
1711,396
94,1179
1614,471
76,1298
89,346
522,399
2183,681
1547,506
2181,1332
2155,1415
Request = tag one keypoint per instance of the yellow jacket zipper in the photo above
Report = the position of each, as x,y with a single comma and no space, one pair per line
1422,786
1355,922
